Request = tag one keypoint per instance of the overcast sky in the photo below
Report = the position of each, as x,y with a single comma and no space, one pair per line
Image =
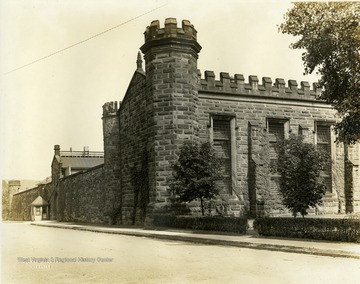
58,100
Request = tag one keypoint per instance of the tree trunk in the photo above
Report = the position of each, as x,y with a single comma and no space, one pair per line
202,206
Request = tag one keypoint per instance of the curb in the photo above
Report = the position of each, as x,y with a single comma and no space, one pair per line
206,241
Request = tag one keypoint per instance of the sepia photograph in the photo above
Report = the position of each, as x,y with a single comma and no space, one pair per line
168,141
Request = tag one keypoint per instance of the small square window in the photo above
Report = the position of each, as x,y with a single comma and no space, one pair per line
278,129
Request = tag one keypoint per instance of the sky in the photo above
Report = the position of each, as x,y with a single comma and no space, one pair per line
52,93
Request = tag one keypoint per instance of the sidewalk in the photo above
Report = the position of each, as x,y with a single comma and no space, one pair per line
252,241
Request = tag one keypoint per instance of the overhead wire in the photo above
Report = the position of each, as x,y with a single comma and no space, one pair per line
85,40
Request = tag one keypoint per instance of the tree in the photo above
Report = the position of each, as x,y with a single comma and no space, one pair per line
5,201
330,34
300,165
196,173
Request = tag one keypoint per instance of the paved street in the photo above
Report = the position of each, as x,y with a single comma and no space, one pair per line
32,254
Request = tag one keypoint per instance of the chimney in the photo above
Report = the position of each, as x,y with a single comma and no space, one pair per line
86,151
57,150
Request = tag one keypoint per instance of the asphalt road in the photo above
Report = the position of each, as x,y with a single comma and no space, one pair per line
32,254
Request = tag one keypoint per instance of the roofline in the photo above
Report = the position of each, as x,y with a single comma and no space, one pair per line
84,171
82,154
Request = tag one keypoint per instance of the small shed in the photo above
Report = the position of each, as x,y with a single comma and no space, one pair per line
39,209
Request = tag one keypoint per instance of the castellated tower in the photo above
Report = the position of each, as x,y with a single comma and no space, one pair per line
110,131
170,56
111,136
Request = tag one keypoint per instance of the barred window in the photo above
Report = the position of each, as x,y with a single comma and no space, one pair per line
323,138
323,141
278,130
222,146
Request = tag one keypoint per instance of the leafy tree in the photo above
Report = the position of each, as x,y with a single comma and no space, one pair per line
196,173
5,202
330,34
300,165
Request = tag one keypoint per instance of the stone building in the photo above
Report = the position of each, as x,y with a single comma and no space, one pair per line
172,101
72,162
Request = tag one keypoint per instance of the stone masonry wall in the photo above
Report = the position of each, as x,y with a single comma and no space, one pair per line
133,151
77,198
356,176
81,197
355,151
252,104
352,179
21,209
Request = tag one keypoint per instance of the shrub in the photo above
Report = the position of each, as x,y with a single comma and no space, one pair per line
174,208
347,230
219,224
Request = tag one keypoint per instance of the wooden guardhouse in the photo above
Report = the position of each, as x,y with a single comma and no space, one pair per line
39,209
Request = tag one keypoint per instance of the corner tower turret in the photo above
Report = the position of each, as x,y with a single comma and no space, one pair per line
111,134
172,82
171,34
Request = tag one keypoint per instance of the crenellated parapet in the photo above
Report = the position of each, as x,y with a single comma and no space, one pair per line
111,108
170,29
170,34
237,85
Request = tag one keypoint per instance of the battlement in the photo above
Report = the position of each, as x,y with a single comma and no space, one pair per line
237,85
111,108
187,31
14,182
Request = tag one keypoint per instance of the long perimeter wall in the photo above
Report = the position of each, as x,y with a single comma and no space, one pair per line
80,197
